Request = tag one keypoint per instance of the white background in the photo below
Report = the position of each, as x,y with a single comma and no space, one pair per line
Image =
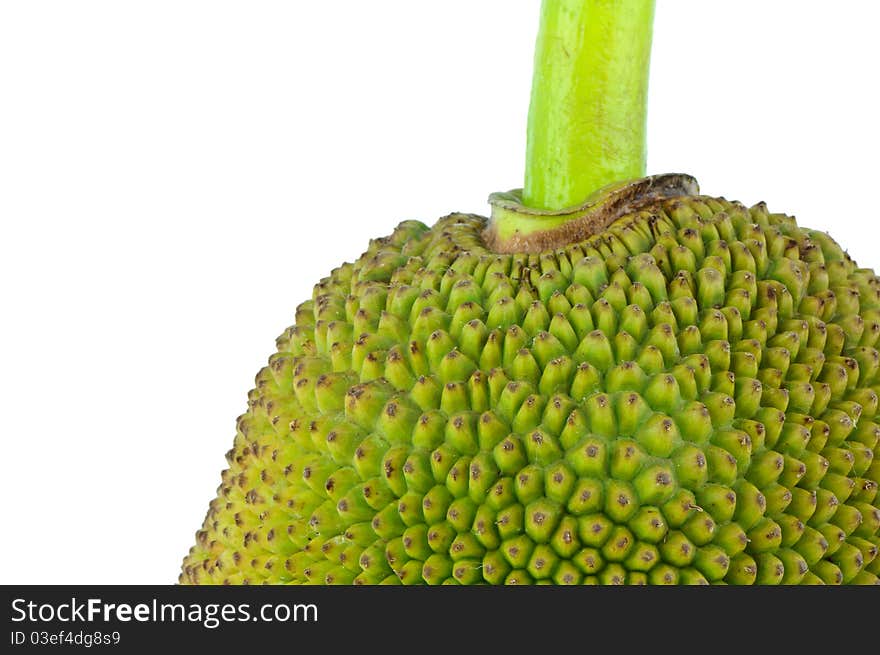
174,177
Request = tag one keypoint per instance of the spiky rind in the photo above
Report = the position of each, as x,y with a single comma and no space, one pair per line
688,397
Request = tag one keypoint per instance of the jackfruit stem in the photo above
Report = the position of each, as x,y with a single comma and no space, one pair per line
588,111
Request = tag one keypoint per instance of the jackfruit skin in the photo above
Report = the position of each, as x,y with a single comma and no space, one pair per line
688,397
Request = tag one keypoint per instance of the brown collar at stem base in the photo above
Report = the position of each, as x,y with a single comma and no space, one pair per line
516,228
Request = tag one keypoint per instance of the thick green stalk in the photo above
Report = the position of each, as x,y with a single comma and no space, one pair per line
588,111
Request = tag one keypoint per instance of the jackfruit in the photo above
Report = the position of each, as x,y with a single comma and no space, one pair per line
670,389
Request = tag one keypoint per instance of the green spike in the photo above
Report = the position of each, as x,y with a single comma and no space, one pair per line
699,528
750,504
613,574
648,525
426,393
594,530
694,422
839,485
747,394
687,383
490,355
564,540
497,382
524,367
812,546
517,551
595,349
537,318
626,376
690,340
415,542
621,500
765,468
435,503
712,562
455,367
868,549
658,435
589,457
663,313
510,521
529,483
588,561
744,364
543,562
542,516
778,498
563,331
436,568
679,508
869,526
586,498
495,567
511,399
567,573
828,573
721,407
794,566
619,545
626,458
865,578
581,320
710,287
440,537
773,421
655,485
574,429
591,273
793,440
461,513
482,476
600,415
677,550
738,443
731,537
723,382
663,574
387,523
490,430
510,455
682,259
764,536
793,470
805,502
556,376
743,570
484,528
662,393
662,337
587,379
557,302
503,313
634,321
458,477
650,359
865,491
559,482
718,500
863,458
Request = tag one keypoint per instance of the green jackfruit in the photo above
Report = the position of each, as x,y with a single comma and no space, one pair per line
689,395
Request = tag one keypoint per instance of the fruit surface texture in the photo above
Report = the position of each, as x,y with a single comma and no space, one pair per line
688,396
